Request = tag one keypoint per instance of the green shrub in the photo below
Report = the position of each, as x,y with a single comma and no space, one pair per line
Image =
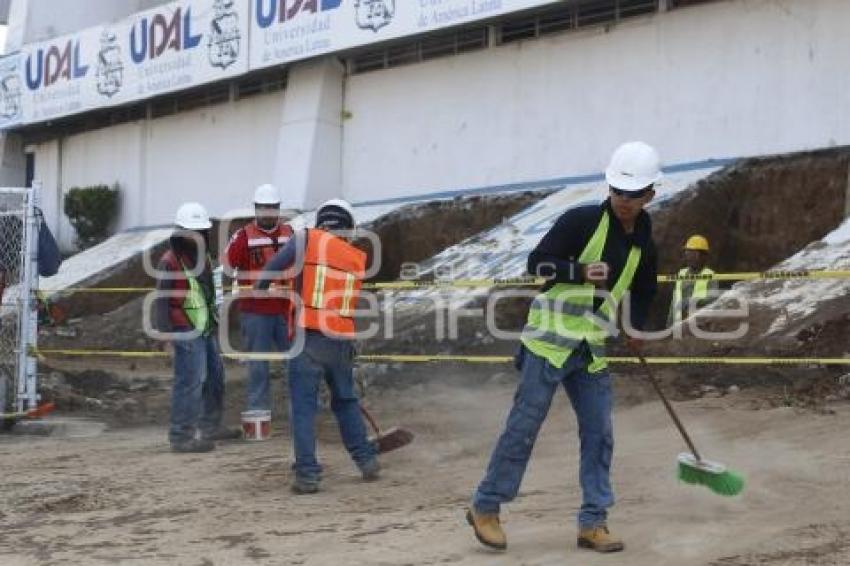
92,212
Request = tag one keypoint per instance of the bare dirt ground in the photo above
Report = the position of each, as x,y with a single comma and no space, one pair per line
119,495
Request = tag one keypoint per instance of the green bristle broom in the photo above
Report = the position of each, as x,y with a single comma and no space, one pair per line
692,469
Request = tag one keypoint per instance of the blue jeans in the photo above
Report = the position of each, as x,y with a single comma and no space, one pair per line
197,396
592,400
329,359
261,334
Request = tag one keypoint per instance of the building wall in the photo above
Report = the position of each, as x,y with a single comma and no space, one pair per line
215,155
724,79
37,20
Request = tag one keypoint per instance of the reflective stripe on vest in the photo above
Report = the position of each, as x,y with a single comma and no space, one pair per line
563,317
699,292
330,284
262,246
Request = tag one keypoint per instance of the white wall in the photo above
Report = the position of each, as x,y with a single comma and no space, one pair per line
216,155
105,157
47,170
309,140
724,79
31,21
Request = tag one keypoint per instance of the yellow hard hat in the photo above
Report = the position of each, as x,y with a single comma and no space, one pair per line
697,243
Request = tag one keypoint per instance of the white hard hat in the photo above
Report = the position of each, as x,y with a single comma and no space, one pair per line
193,216
336,213
634,166
266,194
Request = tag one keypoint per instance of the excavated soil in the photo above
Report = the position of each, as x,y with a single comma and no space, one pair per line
122,497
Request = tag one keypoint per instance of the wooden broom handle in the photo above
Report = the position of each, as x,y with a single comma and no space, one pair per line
657,386
371,420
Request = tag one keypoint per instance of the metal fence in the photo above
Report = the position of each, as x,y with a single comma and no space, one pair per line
18,317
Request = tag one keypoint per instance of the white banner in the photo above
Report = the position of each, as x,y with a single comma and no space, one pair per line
56,75
289,30
11,91
192,42
173,47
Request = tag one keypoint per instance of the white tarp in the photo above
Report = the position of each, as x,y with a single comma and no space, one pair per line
289,30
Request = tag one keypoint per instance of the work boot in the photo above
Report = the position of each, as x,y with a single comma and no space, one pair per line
222,433
488,529
303,486
371,471
599,539
193,445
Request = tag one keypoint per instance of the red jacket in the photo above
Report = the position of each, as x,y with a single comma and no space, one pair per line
248,251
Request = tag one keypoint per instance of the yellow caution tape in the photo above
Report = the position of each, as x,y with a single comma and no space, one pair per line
458,283
759,275
101,290
413,358
526,281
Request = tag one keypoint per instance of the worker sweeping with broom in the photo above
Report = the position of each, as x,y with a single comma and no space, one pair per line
328,275
590,249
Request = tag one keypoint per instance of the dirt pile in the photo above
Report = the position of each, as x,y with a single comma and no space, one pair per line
418,232
745,210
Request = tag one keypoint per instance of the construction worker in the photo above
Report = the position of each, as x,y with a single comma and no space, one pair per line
263,320
186,311
328,275
590,249
689,296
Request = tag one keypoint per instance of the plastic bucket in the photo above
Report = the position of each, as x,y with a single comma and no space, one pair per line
257,425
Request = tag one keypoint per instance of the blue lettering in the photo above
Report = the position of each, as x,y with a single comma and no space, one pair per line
189,41
265,17
33,84
138,52
80,70
330,4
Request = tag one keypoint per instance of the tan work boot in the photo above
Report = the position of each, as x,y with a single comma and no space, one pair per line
487,528
599,539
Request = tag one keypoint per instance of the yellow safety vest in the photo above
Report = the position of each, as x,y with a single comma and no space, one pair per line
700,292
560,319
195,305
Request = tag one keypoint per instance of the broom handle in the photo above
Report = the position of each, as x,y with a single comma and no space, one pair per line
667,405
371,420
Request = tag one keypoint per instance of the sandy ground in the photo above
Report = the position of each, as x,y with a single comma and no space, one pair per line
119,496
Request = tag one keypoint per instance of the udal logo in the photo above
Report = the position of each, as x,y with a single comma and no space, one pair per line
150,38
270,11
55,63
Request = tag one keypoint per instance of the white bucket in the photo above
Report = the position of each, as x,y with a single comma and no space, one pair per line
257,425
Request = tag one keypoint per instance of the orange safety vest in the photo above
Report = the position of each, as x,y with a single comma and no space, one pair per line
330,284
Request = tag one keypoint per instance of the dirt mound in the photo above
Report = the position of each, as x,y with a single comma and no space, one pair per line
418,232
744,210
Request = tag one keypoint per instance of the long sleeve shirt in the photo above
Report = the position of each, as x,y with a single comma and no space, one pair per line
557,254
283,260
168,312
